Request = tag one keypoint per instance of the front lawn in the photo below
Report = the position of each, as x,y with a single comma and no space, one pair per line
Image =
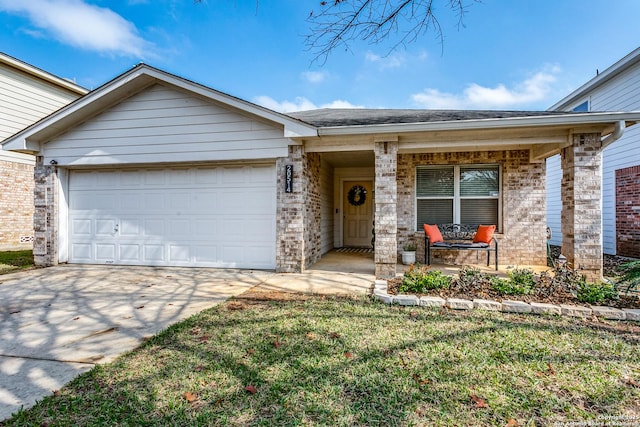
11,261
344,362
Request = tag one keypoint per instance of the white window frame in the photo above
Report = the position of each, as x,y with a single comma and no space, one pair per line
456,192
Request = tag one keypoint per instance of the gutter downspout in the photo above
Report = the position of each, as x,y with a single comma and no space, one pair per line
617,133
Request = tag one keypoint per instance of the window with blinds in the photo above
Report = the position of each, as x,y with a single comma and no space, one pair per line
464,194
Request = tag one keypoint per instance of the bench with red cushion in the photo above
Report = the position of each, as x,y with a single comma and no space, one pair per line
460,237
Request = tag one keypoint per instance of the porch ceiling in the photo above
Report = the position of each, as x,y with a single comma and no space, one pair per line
352,159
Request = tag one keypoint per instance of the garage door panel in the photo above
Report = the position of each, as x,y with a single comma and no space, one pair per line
199,216
179,229
204,201
153,227
180,253
82,252
81,227
207,228
130,253
206,176
206,254
106,252
255,228
154,201
130,227
153,253
106,227
130,202
155,178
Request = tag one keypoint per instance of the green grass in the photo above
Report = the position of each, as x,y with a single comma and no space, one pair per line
353,362
11,261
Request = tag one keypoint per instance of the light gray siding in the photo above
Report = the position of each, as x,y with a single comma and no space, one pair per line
621,93
326,206
25,99
554,201
164,124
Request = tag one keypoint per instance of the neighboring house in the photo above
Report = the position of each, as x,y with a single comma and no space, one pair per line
615,89
153,169
27,94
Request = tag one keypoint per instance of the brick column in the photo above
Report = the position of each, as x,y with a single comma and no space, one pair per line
45,217
386,216
582,204
290,235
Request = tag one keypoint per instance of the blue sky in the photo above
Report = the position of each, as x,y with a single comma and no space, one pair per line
510,54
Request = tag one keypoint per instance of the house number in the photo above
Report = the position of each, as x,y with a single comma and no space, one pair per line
288,187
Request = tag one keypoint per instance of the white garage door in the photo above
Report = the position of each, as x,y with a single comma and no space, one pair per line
220,216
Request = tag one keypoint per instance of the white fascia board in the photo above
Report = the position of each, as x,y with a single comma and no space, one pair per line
569,120
608,74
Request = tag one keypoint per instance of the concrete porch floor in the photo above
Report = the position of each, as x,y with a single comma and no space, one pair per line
362,265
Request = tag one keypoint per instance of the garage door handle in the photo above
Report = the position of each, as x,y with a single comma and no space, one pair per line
115,230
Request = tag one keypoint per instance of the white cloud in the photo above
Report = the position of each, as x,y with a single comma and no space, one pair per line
395,60
314,76
532,90
299,104
82,25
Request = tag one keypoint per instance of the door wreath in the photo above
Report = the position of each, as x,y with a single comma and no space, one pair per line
357,195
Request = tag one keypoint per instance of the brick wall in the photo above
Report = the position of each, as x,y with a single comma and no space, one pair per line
16,205
523,237
628,212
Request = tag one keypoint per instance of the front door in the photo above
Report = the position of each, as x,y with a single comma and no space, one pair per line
358,213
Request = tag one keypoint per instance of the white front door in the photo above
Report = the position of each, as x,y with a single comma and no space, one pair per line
358,213
222,216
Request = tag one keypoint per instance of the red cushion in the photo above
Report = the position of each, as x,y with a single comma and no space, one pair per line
484,234
433,232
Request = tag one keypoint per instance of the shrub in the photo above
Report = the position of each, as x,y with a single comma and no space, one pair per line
470,279
521,281
563,282
419,279
596,293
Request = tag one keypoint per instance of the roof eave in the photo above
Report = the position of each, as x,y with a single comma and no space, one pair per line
29,139
41,74
568,120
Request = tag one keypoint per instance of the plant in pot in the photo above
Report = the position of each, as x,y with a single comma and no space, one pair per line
409,253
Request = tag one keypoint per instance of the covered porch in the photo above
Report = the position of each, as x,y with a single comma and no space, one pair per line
388,149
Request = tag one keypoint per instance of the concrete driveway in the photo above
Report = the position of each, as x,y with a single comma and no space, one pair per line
60,321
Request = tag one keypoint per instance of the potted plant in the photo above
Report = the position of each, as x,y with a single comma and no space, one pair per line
409,253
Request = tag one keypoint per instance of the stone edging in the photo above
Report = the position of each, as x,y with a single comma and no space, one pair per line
506,306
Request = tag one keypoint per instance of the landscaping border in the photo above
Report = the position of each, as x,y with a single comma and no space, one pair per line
506,306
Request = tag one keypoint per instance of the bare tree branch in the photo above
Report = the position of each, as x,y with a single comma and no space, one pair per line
341,22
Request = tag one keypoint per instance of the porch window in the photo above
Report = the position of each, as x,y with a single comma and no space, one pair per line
461,194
